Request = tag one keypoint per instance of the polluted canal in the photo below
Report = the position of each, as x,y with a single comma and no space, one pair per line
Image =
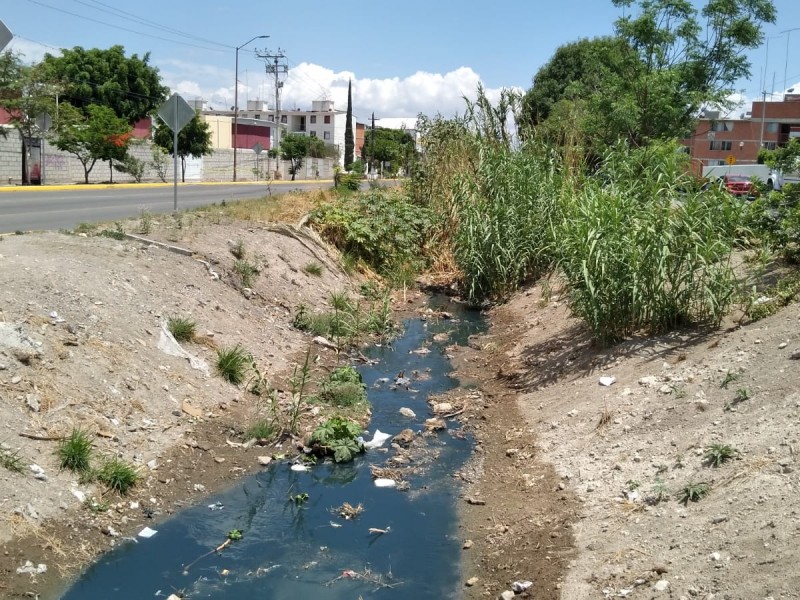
403,544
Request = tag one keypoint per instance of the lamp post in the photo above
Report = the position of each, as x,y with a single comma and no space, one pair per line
236,99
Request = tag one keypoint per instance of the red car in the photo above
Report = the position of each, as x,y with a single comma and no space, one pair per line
738,185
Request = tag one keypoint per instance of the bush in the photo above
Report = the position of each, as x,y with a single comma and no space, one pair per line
337,437
75,451
181,328
118,475
344,388
648,254
233,363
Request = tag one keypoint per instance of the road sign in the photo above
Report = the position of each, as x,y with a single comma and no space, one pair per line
731,159
176,112
5,36
258,148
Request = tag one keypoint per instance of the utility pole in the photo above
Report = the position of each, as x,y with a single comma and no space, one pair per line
763,116
276,66
372,138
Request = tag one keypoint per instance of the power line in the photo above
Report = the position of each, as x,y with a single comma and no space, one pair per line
163,39
137,19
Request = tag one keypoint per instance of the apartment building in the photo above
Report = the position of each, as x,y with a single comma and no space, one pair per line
769,125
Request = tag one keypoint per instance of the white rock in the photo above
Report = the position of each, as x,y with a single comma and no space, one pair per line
607,380
264,460
407,412
661,585
507,595
79,495
30,568
520,586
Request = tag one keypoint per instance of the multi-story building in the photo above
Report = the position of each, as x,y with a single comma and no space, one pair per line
718,139
257,124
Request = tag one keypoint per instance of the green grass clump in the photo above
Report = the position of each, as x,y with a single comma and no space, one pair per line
344,388
693,492
263,429
181,328
718,454
313,268
246,271
117,475
233,363
11,460
75,452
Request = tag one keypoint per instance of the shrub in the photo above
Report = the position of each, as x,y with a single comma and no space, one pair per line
74,452
693,492
337,437
263,429
717,454
117,475
181,328
11,460
313,268
232,363
246,272
343,388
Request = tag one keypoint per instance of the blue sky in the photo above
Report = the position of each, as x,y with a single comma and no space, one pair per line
403,58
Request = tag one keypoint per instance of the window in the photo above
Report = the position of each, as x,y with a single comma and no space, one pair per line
327,135
272,118
720,146
327,119
313,118
772,127
284,119
312,133
258,116
722,126
770,145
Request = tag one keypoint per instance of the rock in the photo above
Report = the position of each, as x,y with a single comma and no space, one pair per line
33,401
649,381
404,438
264,460
219,460
475,501
407,412
782,345
109,531
435,424
199,487
16,379
468,544
472,581
442,408
247,292
520,586
661,585
794,356
507,595
321,341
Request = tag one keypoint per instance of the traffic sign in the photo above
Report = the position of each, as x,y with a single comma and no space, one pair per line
176,112
731,159
5,36
258,148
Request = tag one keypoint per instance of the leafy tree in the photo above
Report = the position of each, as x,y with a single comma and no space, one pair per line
193,140
295,148
129,86
786,159
98,135
395,146
649,81
349,142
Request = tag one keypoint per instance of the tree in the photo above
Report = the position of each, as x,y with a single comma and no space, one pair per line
349,142
294,148
98,135
193,140
650,80
131,87
395,146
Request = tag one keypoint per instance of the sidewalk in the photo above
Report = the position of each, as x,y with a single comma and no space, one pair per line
102,186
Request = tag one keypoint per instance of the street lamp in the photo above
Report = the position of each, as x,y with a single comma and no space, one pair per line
236,99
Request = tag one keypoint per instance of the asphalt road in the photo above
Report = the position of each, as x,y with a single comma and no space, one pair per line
63,207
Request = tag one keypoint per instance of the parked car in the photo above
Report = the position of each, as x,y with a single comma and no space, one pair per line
739,185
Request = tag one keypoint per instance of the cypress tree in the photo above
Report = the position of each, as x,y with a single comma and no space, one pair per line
349,143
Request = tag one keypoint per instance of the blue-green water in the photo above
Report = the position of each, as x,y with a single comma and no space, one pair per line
290,551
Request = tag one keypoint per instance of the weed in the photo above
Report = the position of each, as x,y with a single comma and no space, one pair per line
19,232
94,506
74,452
181,328
692,492
238,249
730,377
84,227
742,395
113,234
263,429
605,417
246,272
235,535
145,221
717,454
298,382
11,460
232,363
632,485
117,475
338,437
659,492
344,388
313,268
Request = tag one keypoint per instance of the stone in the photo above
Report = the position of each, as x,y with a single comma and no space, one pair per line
507,595
404,438
407,412
435,424
472,581
468,544
661,585
520,586
441,408
264,460
34,402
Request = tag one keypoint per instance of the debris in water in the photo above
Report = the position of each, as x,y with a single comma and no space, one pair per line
147,532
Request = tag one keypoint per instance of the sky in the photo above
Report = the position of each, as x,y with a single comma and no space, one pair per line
403,58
